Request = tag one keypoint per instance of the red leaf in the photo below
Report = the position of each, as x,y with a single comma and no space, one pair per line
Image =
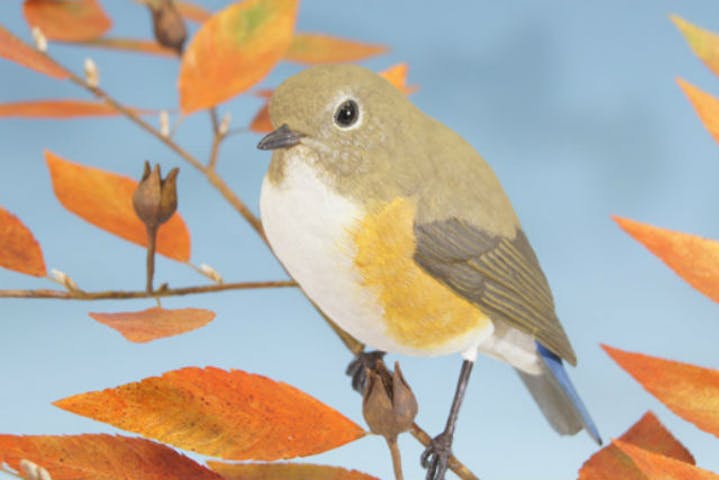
154,323
19,251
234,50
285,471
315,48
693,258
689,391
67,20
105,200
100,457
658,467
611,463
59,109
15,50
232,415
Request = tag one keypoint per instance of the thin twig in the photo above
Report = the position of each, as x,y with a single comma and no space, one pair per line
396,458
160,292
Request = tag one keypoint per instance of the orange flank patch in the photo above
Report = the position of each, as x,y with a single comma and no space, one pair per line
420,312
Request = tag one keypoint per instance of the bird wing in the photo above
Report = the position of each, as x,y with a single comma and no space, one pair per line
501,275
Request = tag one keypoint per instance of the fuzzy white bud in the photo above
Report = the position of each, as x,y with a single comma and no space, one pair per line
92,75
39,39
225,124
210,273
165,123
64,279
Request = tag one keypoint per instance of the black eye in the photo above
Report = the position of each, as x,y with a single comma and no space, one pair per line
347,114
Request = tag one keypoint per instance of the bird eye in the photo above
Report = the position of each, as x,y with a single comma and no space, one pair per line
347,114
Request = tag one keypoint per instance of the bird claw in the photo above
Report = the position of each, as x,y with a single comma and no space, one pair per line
357,369
435,457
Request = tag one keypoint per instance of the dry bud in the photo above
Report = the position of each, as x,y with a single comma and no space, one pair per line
225,124
33,471
92,75
164,123
64,279
210,273
388,411
39,39
167,24
155,198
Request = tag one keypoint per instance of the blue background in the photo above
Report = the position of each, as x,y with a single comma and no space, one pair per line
573,103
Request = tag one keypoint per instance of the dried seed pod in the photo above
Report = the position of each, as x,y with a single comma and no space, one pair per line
167,24
388,411
155,199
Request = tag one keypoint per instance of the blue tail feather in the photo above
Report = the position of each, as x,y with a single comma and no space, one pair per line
555,368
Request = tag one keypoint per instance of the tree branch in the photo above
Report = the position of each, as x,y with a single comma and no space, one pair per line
163,291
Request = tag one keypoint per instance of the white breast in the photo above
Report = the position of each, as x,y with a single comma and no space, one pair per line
307,225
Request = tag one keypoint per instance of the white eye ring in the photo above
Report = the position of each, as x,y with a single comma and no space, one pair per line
347,114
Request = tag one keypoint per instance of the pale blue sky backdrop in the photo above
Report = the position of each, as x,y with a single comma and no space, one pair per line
575,106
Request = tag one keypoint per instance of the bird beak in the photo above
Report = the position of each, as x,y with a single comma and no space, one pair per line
282,137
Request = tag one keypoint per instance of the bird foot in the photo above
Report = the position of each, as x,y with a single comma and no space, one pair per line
435,457
357,369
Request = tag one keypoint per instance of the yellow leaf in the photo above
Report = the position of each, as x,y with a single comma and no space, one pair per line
234,50
704,44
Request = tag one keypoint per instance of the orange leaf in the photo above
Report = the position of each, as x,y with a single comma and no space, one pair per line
706,106
234,50
193,12
284,471
611,463
105,200
58,109
261,122
154,323
397,76
689,391
314,48
232,415
658,467
19,251
15,50
131,45
704,44
100,457
67,20
693,258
